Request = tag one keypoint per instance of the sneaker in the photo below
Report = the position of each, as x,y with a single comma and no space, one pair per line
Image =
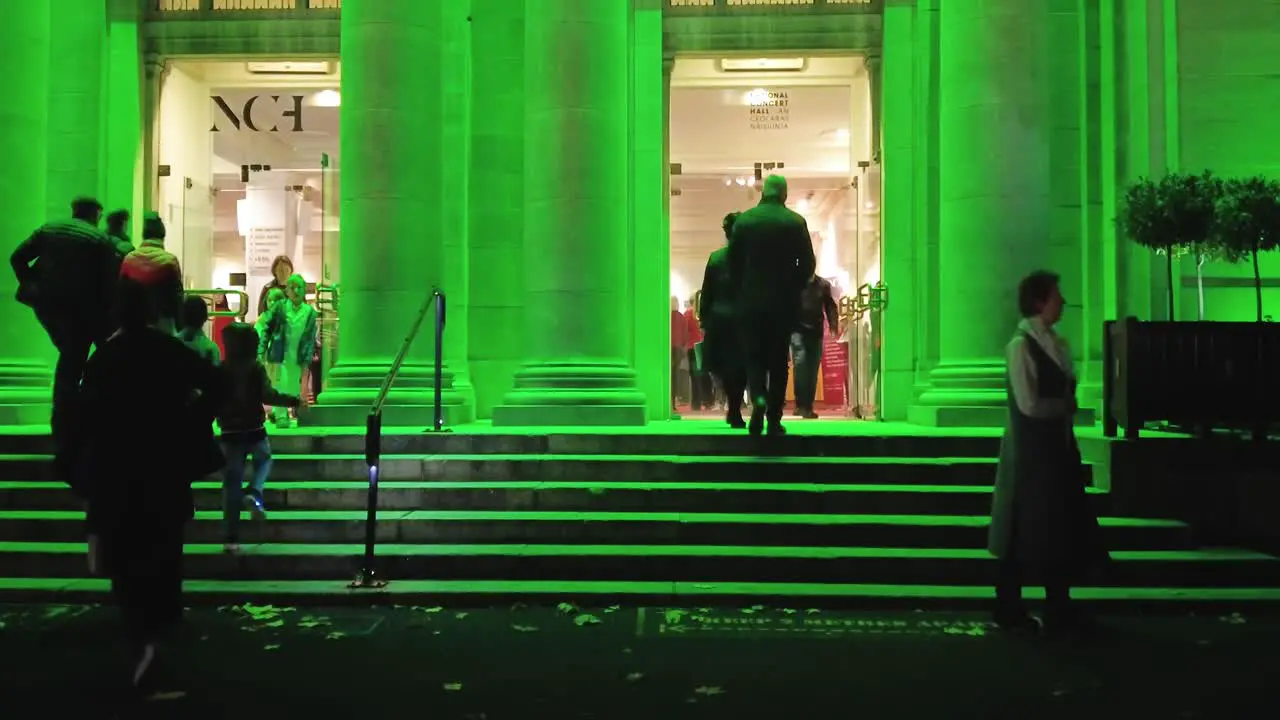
257,509
150,683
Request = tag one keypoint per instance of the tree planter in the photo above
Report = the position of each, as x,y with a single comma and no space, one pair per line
1203,375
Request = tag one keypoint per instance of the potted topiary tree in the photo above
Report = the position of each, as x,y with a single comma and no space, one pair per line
1172,217
1248,223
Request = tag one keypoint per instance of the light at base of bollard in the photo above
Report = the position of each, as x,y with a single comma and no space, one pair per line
367,580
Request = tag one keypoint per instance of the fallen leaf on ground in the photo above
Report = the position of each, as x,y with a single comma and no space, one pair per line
709,690
613,608
335,636
632,677
429,609
1233,619
270,647
462,615
567,608
524,628
453,687
584,619
674,616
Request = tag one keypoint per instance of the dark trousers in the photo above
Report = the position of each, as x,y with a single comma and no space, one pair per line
722,354
701,394
145,568
806,355
766,343
72,336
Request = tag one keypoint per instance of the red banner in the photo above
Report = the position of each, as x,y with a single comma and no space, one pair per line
835,371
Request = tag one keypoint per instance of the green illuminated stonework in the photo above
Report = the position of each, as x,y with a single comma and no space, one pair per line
576,223
993,200
515,155
25,354
393,211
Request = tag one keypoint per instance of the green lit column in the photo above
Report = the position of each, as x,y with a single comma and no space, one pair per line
455,182
577,229
25,353
994,129
496,306
77,70
392,253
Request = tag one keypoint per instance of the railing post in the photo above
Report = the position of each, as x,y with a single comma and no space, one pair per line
438,423
368,579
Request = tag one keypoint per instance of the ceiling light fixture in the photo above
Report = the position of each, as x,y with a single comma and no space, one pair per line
327,98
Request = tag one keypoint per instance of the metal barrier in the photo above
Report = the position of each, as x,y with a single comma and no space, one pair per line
864,382
209,296
368,578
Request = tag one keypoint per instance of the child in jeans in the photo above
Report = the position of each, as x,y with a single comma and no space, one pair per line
244,434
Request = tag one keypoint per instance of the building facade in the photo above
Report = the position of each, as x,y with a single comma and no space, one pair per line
515,156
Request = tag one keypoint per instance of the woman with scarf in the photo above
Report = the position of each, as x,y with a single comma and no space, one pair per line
1042,529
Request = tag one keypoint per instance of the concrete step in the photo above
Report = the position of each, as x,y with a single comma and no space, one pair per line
601,528
578,496
432,595
711,439
615,468
653,563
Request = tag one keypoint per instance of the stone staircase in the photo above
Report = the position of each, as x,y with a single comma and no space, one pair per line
661,517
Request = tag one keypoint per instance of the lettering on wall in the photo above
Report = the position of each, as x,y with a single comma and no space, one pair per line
245,117
768,109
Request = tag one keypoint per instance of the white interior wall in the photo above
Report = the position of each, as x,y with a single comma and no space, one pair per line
186,147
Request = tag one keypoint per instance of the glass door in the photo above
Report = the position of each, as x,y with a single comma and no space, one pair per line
197,234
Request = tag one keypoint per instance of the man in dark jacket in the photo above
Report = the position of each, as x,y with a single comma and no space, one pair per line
816,304
67,273
721,348
770,260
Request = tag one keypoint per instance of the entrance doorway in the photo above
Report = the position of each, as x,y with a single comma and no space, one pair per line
808,120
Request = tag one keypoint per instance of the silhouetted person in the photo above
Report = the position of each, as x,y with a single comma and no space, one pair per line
770,261
721,346
1042,528
67,273
137,472
118,231
817,303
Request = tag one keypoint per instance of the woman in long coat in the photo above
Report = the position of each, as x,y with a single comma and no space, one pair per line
1042,529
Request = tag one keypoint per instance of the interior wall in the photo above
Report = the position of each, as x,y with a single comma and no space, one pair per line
186,147
1227,97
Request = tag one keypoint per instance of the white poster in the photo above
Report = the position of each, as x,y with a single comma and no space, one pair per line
269,224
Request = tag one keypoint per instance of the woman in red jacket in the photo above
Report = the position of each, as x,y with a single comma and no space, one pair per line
220,322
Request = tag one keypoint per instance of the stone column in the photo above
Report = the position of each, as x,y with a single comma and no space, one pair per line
455,180
994,197
577,75
25,370
153,72
77,69
495,316
391,252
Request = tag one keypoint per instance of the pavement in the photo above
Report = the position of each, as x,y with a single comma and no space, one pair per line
519,662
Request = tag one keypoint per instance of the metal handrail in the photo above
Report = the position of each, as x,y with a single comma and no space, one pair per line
239,315
367,577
